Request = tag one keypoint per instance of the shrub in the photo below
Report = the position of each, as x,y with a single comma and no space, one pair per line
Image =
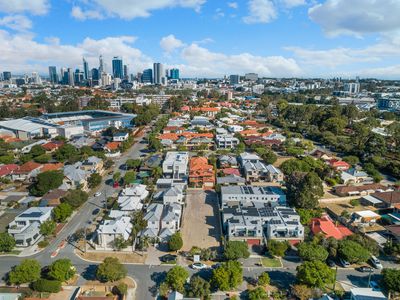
43,244
49,286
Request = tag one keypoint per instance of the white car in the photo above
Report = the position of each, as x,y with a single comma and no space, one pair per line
97,194
375,262
199,266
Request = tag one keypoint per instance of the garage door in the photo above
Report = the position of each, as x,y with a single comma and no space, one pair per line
253,242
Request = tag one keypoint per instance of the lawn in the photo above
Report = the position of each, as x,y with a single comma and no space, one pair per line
271,262
13,252
169,262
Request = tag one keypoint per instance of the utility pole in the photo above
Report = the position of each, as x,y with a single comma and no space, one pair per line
369,277
334,279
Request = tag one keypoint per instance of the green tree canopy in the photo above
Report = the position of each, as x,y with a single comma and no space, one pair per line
129,177
304,190
48,228
175,242
258,294
176,278
227,276
46,286
61,270
66,152
133,163
277,248
263,279
110,270
199,287
352,251
312,251
94,180
75,198
315,274
27,271
391,279
47,181
7,242
62,212
236,249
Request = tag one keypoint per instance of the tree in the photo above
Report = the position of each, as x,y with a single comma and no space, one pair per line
302,291
7,242
133,163
37,150
44,158
352,251
117,176
227,276
47,286
304,190
258,294
175,242
75,198
277,248
199,287
48,228
119,243
110,270
27,271
94,180
62,212
156,172
351,159
312,251
315,274
263,279
61,270
47,181
176,278
66,152
235,250
391,279
129,177
121,289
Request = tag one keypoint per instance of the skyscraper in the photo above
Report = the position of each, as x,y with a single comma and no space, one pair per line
234,79
147,76
101,65
85,69
6,76
95,74
70,74
158,73
126,75
174,74
117,67
53,77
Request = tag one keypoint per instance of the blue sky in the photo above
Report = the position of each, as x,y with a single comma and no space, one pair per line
211,38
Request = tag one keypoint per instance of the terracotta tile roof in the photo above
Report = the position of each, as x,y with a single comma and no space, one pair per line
113,145
335,163
27,167
169,136
7,169
206,109
52,167
326,226
231,171
52,145
247,132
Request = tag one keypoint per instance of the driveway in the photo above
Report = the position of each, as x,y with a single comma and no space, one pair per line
200,224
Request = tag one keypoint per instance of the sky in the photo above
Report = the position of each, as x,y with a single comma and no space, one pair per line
206,38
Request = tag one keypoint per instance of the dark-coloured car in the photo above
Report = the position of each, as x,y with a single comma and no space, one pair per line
168,258
95,211
330,263
365,269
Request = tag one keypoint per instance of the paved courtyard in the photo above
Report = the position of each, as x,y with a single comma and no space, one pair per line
200,224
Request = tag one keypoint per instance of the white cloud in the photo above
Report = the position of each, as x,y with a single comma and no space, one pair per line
21,53
356,17
130,9
79,14
293,3
16,22
35,7
170,43
200,61
260,11
233,5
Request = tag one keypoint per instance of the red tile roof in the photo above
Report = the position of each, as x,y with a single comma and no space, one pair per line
27,167
52,167
7,169
52,145
112,145
326,226
231,171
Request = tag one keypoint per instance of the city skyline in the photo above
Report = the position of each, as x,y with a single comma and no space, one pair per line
282,38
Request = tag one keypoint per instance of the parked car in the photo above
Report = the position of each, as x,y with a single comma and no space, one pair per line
95,211
97,194
331,263
375,286
168,258
365,269
199,266
375,262
344,263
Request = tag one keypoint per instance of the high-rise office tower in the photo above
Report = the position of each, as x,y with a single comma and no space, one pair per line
64,76
117,67
6,76
126,75
174,74
158,73
147,76
53,77
35,78
101,65
70,76
95,74
85,69
234,79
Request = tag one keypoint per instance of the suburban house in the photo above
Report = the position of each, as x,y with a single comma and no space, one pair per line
175,165
120,136
153,218
353,176
231,180
112,149
111,229
262,195
6,170
201,174
75,177
253,168
26,171
226,141
338,164
92,164
52,198
274,174
366,293
131,198
389,199
364,219
324,225
227,161
26,226
361,190
173,195
170,220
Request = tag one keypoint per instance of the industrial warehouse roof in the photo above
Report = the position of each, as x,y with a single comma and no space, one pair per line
25,124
